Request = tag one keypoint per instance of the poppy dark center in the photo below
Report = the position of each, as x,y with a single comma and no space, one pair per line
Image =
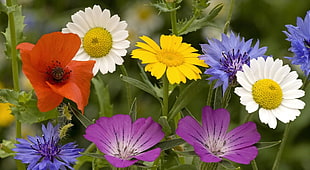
56,73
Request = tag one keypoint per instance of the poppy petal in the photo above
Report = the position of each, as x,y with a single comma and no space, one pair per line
77,88
55,46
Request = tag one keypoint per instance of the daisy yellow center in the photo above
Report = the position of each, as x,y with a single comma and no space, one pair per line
97,42
267,93
170,58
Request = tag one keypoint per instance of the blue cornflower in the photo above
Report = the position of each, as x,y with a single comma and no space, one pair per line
45,152
299,36
226,57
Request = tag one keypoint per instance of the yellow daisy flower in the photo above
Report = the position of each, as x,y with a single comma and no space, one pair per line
172,57
6,118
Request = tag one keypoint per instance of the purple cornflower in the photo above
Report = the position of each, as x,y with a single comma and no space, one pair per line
226,57
299,36
125,142
211,141
44,152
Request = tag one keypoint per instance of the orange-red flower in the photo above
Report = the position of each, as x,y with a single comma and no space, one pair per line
52,72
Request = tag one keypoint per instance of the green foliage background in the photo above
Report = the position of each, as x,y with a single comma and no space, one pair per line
259,19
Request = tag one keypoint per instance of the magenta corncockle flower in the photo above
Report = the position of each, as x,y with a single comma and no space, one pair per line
125,142
211,141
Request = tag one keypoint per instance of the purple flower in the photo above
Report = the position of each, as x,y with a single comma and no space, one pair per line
226,57
299,36
125,142
45,152
211,141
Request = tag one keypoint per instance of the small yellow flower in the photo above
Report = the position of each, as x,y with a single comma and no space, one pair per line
6,118
172,57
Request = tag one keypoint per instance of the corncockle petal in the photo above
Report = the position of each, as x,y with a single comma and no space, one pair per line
211,141
190,130
243,155
119,163
242,136
125,142
215,123
149,156
204,154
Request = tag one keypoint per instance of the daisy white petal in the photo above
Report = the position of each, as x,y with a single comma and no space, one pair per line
273,89
103,37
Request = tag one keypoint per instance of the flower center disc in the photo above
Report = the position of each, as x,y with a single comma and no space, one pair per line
97,42
170,58
267,93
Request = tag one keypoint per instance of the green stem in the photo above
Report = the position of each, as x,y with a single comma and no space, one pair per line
156,163
254,165
208,166
165,95
248,117
15,71
210,94
232,2
173,20
128,87
89,149
226,97
281,148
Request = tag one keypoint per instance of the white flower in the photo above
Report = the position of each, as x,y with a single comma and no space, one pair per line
103,38
270,86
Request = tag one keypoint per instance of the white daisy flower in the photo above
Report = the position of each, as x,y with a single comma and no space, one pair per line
103,38
269,86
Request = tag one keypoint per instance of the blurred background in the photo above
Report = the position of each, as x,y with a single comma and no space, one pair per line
262,20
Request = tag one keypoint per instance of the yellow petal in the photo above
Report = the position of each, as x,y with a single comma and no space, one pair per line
195,61
156,69
188,72
175,76
145,56
6,118
150,42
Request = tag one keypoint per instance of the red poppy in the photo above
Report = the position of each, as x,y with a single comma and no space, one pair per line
52,72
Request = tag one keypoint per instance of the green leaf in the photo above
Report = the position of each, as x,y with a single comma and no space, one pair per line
28,112
198,21
9,96
266,145
84,120
186,95
6,148
165,7
228,165
133,110
171,159
3,8
183,167
165,125
215,11
94,155
24,107
139,84
103,94
19,27
165,145
187,153
145,79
